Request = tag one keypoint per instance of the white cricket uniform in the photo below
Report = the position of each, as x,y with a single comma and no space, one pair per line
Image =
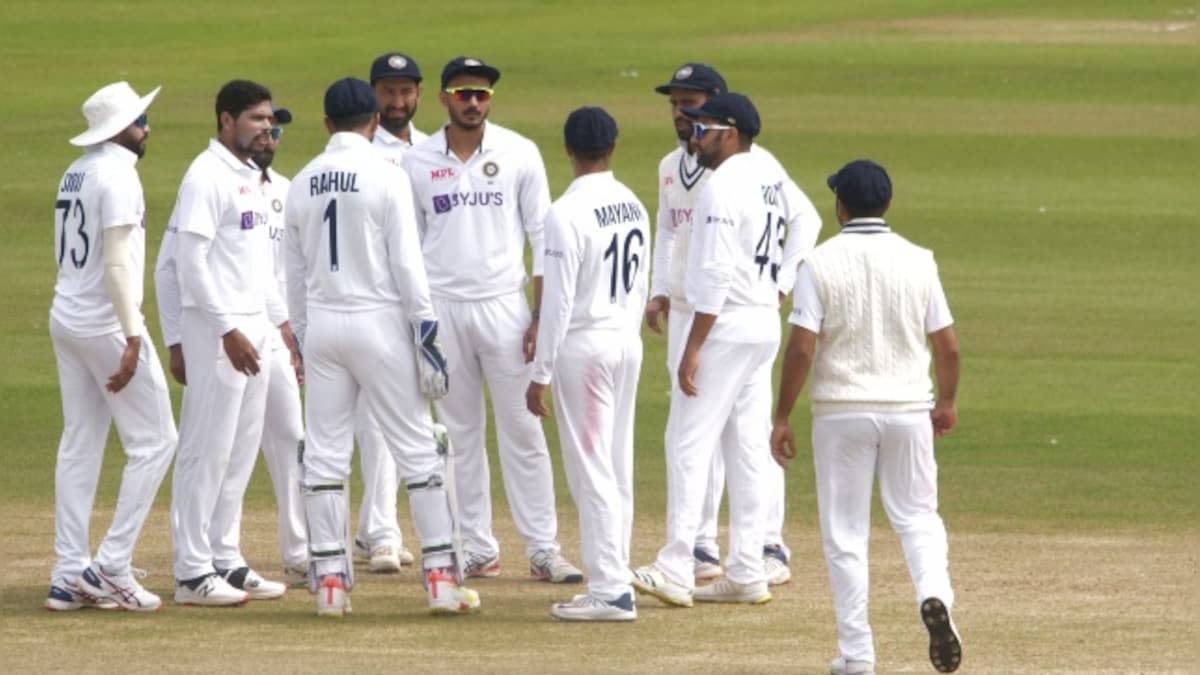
871,395
222,254
595,285
681,179
733,260
283,426
475,217
356,278
378,524
100,190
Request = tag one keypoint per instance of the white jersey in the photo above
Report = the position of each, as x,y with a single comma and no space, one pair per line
166,289
351,237
221,202
680,181
100,189
476,215
735,254
597,245
392,147
275,189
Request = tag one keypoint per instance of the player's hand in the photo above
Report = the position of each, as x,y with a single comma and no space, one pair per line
289,339
529,341
431,364
241,352
535,399
659,304
178,371
783,444
689,365
944,416
129,363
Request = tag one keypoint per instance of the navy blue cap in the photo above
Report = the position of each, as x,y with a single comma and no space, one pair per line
282,115
862,184
395,64
589,129
697,77
466,64
733,109
349,97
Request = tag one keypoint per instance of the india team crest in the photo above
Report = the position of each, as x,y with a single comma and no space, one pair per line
398,62
683,73
276,206
490,169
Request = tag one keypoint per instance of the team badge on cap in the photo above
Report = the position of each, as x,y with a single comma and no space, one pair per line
472,62
491,169
683,73
398,62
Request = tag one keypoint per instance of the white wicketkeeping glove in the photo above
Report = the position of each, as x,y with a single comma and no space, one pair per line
431,364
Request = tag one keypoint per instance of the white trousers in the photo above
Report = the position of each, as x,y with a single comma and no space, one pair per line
730,415
679,323
378,524
220,429
282,430
142,412
595,394
482,341
848,451
365,358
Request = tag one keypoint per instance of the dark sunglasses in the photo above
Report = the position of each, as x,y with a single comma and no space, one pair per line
276,132
142,121
464,94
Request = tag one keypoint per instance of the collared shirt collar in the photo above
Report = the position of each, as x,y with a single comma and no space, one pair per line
865,226
346,139
217,148
116,150
587,179
483,144
389,138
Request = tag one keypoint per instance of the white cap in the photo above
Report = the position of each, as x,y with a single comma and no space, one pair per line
110,110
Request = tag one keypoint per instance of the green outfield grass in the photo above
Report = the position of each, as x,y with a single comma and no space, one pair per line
1047,152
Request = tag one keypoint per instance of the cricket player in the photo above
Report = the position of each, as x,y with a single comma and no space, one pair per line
480,191
283,426
107,366
357,285
721,395
681,179
868,306
231,307
597,244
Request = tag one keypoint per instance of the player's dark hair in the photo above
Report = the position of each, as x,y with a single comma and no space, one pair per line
744,141
592,155
237,96
352,123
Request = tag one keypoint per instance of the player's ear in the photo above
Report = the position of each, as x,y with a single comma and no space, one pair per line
329,126
226,119
444,98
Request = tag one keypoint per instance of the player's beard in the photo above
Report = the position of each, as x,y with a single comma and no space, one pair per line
683,128
130,142
396,124
264,158
461,120
250,144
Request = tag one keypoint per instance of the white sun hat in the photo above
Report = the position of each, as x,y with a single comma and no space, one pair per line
110,110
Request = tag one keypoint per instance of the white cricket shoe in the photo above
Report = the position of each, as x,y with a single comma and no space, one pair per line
590,608
776,563
841,666
295,576
253,584
66,596
706,566
446,596
945,648
209,590
384,560
482,566
649,580
724,590
122,589
333,600
549,565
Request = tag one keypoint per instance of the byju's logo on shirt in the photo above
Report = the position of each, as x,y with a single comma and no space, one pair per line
443,203
247,220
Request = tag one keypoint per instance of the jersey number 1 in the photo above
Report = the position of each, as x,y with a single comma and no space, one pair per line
331,216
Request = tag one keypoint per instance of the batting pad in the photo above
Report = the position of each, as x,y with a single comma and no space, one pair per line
325,513
429,505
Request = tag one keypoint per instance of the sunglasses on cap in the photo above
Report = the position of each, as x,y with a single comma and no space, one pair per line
699,129
464,94
142,121
276,132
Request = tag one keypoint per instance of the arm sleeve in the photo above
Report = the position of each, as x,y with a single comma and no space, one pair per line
807,310
192,259
664,239
562,255
404,251
121,280
711,256
408,164
166,285
295,270
803,226
534,203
